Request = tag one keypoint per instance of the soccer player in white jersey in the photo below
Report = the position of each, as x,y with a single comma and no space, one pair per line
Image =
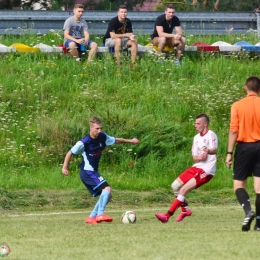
204,149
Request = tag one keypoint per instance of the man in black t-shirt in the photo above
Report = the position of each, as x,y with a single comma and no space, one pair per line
120,34
162,35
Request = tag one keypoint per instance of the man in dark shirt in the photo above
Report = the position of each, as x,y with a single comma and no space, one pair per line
120,34
162,35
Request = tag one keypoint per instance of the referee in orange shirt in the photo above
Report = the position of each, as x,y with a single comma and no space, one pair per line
245,131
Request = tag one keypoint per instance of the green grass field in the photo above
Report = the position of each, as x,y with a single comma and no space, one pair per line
51,225
212,232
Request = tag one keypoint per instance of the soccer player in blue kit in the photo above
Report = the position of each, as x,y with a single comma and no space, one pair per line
91,148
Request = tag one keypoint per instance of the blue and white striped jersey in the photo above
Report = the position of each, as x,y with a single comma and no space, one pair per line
91,150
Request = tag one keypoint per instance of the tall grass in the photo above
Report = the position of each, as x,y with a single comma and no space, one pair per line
46,101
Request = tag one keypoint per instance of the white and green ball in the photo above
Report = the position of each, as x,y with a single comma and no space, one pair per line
128,217
4,250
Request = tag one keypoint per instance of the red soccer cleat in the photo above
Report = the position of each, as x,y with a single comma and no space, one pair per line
103,218
91,221
162,217
183,215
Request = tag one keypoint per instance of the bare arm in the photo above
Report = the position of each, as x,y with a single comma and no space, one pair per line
114,35
203,156
122,140
66,163
69,37
178,30
196,159
176,36
161,33
86,37
211,151
232,138
199,158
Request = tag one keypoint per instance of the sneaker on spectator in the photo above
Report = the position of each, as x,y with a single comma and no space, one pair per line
248,220
183,215
177,62
162,217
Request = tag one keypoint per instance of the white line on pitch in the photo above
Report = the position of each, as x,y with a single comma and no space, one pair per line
72,212
119,210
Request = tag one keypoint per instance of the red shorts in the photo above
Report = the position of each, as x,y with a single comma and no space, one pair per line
198,174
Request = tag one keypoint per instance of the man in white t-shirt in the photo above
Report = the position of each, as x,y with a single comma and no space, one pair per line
76,35
204,149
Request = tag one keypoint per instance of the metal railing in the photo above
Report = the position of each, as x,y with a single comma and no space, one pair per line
204,23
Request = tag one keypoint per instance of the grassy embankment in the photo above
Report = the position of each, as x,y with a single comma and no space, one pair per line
46,101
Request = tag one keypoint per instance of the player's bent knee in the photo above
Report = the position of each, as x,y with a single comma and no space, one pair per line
176,187
132,44
162,40
93,45
108,188
72,45
118,41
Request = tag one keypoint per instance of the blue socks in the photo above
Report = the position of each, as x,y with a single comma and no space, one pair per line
103,200
94,211
101,204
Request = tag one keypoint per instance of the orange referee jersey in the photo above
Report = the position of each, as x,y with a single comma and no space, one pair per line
245,118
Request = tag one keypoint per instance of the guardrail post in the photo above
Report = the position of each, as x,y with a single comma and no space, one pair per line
258,23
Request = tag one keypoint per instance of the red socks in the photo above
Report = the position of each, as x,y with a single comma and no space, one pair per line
175,205
184,206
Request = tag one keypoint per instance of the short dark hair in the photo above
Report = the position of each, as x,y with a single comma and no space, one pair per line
79,6
253,83
206,118
122,7
170,6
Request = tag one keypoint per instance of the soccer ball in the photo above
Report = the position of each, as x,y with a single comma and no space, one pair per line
128,217
4,249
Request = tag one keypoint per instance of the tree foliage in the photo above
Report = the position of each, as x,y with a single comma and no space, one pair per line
211,5
180,5
9,4
42,4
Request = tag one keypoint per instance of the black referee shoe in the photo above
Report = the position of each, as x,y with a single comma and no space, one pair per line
256,228
248,220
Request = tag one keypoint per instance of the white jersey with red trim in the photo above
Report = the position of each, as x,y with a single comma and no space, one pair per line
208,140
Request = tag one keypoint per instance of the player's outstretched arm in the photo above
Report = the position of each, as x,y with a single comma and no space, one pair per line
123,140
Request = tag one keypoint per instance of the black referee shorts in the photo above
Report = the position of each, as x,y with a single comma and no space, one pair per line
247,160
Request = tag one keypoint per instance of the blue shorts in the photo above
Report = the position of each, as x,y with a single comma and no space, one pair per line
66,44
93,181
